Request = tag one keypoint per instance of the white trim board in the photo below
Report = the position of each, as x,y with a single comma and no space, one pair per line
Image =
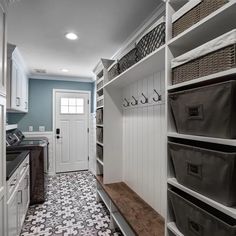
62,78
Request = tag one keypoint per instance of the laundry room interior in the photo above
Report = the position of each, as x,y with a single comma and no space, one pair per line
117,118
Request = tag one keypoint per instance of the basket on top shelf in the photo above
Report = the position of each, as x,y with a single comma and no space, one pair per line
192,12
113,71
128,60
212,57
152,39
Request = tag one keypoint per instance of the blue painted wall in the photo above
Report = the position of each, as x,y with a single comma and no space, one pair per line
40,103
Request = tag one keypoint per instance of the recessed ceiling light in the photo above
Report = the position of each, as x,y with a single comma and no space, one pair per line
65,70
71,36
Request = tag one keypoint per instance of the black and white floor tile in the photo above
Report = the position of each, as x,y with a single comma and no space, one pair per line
70,209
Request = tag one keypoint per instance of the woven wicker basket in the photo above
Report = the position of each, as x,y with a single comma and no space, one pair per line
113,72
214,62
128,60
151,41
203,9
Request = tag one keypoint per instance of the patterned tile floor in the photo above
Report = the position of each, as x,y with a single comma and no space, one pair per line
70,209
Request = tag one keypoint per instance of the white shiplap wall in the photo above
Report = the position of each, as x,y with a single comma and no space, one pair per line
144,142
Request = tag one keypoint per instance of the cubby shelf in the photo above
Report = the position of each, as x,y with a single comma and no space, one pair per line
99,125
231,142
173,228
99,107
99,90
147,66
99,161
101,144
227,210
100,98
206,79
224,19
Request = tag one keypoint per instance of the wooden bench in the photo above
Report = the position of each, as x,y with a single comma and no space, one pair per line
142,219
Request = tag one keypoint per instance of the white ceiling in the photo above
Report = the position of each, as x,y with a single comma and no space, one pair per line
37,27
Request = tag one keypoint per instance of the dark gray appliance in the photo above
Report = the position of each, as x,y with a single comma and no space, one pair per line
38,148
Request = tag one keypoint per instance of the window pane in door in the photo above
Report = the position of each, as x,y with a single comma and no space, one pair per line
64,101
80,102
72,102
64,109
72,109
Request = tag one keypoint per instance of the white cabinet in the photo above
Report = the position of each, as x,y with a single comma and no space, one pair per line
23,199
17,81
2,52
2,166
18,193
12,210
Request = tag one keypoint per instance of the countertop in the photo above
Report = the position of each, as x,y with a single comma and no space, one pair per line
13,161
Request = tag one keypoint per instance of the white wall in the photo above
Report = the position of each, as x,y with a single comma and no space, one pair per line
144,142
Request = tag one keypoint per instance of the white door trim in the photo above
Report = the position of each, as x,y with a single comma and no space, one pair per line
54,91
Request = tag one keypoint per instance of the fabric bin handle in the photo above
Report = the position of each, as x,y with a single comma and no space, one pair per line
194,227
194,112
194,170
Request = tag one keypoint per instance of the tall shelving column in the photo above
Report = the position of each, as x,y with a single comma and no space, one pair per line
99,123
101,78
217,23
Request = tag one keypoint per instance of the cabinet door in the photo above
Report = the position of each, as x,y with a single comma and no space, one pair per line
24,92
15,99
12,210
26,194
2,52
2,166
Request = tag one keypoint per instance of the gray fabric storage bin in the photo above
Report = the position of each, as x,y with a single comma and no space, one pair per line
99,116
209,172
206,111
195,218
100,134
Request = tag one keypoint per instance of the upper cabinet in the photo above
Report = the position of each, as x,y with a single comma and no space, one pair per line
17,81
2,51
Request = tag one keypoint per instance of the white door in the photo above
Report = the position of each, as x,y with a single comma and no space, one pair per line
71,130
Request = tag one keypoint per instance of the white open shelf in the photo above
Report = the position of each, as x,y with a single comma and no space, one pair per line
147,66
99,126
104,198
212,77
173,228
231,142
100,80
99,161
122,224
99,107
101,144
100,98
227,210
215,24
100,89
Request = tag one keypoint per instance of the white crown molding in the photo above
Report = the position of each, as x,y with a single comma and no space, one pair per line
130,41
61,78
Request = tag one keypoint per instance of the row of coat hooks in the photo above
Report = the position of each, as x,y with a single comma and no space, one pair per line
143,100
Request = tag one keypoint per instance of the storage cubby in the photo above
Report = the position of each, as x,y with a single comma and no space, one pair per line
138,121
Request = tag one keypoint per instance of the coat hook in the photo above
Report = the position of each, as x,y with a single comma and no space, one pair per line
135,101
145,99
127,103
159,96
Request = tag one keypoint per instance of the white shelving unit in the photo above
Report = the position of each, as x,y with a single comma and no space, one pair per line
124,135
212,26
